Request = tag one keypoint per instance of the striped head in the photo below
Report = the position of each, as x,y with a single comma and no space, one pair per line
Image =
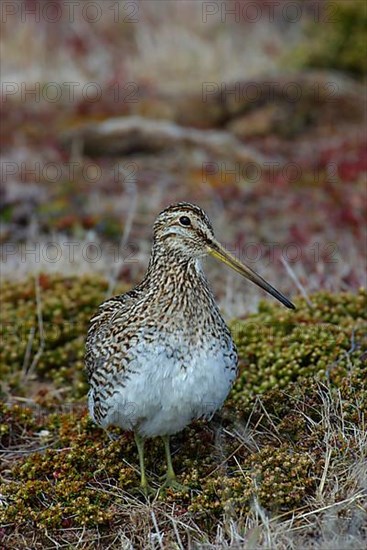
185,230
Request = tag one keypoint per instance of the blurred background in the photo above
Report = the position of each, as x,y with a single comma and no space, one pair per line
253,109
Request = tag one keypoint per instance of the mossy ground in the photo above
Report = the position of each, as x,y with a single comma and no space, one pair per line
291,433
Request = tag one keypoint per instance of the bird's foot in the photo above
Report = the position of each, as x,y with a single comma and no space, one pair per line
172,483
146,490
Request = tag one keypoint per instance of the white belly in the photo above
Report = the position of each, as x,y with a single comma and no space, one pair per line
169,386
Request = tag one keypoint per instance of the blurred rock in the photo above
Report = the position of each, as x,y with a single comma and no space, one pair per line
127,135
293,104
257,123
284,105
311,98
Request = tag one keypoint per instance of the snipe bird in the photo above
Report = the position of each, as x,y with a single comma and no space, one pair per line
161,355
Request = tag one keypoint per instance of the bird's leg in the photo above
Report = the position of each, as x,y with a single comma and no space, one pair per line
170,475
144,485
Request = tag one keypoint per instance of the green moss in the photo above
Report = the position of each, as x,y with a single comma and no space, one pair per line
279,479
66,305
295,368
59,487
277,347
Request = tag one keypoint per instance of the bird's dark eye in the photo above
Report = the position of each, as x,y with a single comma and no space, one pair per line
184,220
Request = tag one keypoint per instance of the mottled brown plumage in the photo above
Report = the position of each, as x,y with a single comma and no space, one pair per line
161,355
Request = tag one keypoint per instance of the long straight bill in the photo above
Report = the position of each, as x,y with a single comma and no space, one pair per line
217,251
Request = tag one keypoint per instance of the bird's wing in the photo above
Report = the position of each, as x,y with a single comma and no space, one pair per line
102,329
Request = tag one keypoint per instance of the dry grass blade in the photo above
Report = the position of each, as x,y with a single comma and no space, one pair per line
298,283
41,347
